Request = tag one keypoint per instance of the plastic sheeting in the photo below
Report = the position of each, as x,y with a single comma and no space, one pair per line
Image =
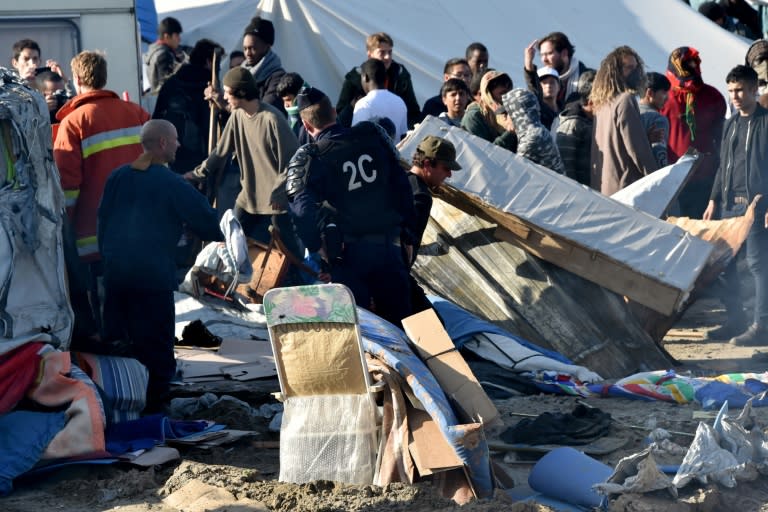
654,193
559,205
34,301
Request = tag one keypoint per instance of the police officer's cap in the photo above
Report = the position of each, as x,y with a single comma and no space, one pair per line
309,96
440,149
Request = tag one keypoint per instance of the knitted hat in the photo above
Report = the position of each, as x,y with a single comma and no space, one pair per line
242,80
261,28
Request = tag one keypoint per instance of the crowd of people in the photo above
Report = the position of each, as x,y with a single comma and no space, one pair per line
329,179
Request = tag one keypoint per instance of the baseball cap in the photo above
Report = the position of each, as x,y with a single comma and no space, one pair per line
547,71
440,149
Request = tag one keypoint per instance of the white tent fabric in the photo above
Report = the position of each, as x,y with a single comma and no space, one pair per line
324,39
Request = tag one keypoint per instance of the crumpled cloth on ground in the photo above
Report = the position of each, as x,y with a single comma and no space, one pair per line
582,426
63,384
733,449
637,473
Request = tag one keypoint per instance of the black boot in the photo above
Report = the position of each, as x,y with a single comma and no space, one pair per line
735,324
755,335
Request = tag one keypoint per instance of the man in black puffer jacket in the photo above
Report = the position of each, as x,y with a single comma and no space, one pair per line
181,102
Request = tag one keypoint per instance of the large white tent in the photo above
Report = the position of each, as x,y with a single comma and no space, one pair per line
323,39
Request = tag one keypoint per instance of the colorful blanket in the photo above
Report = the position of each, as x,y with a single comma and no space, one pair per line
122,384
60,384
18,369
667,386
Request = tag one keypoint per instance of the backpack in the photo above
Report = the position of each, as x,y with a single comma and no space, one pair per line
34,302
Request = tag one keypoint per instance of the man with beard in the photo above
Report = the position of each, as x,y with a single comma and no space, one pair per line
262,62
556,52
696,112
433,162
621,152
141,217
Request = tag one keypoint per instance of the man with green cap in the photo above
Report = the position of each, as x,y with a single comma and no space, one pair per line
262,140
433,162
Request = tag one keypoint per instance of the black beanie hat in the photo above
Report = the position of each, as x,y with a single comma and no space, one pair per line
263,29
308,96
242,80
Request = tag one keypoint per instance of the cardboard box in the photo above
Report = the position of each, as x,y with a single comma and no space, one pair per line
459,384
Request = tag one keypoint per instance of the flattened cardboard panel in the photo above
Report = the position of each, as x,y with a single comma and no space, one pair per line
321,358
430,451
450,369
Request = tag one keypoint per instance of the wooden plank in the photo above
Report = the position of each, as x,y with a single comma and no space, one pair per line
596,267
462,261
269,268
727,235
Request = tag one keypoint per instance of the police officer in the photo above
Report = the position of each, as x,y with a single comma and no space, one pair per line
356,171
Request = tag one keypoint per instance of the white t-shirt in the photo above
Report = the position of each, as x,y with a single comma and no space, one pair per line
382,103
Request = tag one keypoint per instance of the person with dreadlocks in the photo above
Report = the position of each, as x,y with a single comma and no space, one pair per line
696,112
621,151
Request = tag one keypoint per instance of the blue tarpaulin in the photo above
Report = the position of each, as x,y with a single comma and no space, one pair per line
146,14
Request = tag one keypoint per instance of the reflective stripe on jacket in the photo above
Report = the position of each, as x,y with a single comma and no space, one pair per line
98,133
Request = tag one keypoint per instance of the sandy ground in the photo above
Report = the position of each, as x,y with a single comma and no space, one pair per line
243,476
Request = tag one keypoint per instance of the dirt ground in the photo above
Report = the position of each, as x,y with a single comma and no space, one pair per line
243,476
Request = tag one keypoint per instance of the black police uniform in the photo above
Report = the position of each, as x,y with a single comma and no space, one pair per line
357,172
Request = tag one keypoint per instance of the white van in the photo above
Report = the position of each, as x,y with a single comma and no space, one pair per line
63,28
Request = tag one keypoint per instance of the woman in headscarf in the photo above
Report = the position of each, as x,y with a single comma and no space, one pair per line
487,118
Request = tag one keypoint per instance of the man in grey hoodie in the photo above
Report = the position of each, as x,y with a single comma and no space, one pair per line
163,57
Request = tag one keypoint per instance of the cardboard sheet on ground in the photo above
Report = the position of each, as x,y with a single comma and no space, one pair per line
557,219
237,359
245,352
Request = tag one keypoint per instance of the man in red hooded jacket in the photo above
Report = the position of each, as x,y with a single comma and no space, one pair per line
696,112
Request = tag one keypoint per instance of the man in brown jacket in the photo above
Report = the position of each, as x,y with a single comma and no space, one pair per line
621,151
